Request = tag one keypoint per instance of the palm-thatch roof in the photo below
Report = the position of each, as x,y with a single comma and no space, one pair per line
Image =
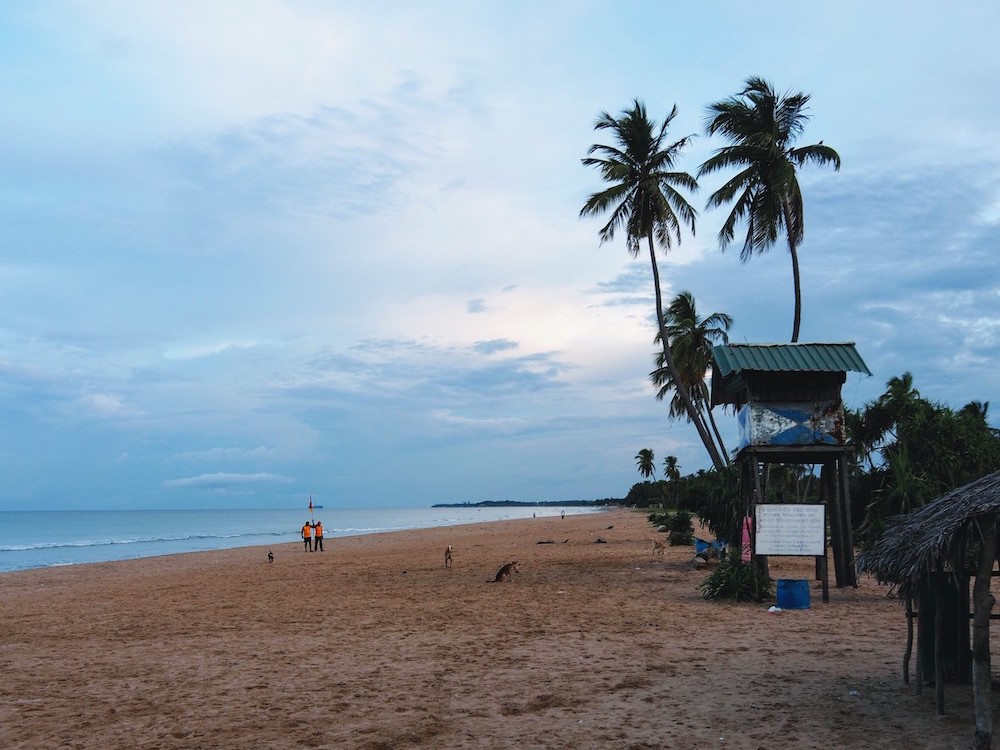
935,537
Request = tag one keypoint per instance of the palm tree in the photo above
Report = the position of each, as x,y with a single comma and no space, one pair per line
672,473
671,469
645,463
691,342
644,201
761,126
976,409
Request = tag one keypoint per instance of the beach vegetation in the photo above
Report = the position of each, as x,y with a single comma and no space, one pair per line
737,580
646,494
644,199
761,126
677,523
911,449
719,507
681,528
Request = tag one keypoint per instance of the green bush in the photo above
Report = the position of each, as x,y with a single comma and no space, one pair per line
678,523
659,519
681,530
737,580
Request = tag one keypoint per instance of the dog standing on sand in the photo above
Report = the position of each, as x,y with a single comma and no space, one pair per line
270,556
658,547
506,573
447,556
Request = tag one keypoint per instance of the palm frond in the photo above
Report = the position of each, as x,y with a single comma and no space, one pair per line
816,154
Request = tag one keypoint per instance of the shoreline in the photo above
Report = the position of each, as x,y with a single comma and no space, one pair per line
374,644
85,537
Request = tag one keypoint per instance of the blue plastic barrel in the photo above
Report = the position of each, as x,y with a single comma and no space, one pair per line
793,593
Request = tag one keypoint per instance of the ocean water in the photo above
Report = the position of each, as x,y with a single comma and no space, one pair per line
36,539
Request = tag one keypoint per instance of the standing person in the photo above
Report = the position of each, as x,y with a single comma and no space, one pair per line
318,533
307,536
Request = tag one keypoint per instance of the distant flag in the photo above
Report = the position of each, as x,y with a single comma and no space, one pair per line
310,503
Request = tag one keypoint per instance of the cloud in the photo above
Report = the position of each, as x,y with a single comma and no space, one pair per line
197,351
224,480
494,346
106,405
260,452
343,242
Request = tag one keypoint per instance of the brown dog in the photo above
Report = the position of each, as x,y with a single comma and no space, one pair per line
658,547
447,556
506,573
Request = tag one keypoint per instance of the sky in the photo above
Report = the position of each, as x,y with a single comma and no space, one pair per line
253,251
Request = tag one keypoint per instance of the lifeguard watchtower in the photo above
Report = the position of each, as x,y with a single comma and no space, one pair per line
787,400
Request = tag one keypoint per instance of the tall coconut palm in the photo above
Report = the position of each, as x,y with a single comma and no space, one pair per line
761,127
645,463
644,201
672,473
671,469
691,342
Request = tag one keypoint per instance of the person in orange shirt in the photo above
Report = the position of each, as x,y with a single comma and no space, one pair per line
318,534
307,536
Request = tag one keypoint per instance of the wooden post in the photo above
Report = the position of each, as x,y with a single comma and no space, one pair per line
830,495
824,574
824,577
759,560
982,603
938,642
909,638
920,643
848,541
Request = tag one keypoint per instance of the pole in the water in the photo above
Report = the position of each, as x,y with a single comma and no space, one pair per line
310,507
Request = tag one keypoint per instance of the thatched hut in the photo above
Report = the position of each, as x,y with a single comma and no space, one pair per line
930,551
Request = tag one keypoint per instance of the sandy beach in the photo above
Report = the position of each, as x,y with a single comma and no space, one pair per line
374,644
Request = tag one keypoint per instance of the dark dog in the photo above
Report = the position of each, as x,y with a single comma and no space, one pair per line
270,556
506,573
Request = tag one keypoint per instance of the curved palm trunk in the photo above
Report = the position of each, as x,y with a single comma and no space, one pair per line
796,282
668,359
718,435
798,293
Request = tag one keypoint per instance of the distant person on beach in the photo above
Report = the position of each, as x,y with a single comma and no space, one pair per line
307,536
562,515
318,533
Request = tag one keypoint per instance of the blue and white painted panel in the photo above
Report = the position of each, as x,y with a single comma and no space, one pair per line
812,423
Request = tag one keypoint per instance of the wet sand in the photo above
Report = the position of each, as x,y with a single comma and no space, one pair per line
374,644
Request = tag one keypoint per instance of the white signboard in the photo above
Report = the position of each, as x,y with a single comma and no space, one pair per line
791,530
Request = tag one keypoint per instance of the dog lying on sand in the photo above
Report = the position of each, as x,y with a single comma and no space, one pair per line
447,556
506,573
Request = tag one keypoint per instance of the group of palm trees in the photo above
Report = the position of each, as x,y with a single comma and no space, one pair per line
644,200
645,462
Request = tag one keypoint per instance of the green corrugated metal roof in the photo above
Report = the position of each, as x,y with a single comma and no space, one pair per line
734,358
